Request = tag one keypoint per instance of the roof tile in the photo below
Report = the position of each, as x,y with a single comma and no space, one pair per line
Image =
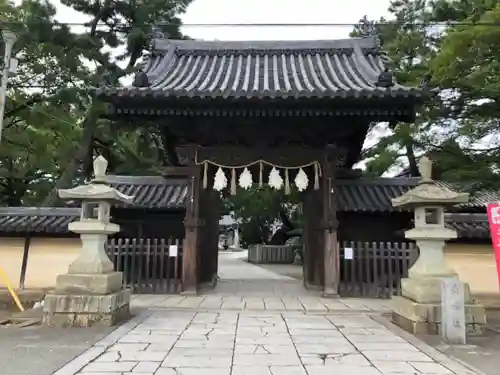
337,68
360,195
472,226
375,194
151,191
36,219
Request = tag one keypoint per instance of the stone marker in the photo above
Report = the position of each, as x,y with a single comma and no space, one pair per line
418,309
91,292
453,327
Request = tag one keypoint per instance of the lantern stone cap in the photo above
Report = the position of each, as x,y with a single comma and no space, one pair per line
428,192
100,165
95,193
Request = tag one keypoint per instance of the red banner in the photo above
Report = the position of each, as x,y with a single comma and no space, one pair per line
494,219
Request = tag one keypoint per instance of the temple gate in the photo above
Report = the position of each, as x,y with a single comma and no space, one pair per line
284,112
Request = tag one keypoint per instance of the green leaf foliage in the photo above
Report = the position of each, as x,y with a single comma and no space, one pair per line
257,209
459,127
52,129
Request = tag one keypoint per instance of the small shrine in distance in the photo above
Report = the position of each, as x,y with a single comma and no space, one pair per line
91,292
418,309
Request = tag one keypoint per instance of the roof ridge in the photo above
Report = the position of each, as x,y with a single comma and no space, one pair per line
265,51
163,44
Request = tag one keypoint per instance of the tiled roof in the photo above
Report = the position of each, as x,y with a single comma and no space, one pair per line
375,194
473,226
151,191
285,69
481,199
35,219
370,194
468,226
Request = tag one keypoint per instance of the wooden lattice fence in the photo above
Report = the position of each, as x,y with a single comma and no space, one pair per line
149,265
375,269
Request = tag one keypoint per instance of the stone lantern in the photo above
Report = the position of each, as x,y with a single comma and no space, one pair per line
91,292
418,309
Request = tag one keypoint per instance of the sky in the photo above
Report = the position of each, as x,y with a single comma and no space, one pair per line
270,12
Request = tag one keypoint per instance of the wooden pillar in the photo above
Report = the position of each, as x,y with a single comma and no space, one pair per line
208,235
203,238
331,250
191,225
307,239
214,230
313,241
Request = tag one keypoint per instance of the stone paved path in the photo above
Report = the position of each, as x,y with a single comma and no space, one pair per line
247,287
253,303
257,324
246,343
240,278
233,266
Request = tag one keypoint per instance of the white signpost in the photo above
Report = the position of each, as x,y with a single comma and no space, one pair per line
348,253
453,327
172,250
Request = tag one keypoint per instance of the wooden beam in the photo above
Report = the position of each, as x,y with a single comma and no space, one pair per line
235,155
389,109
24,265
265,133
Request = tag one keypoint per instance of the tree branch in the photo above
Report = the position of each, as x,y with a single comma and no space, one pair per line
34,100
97,18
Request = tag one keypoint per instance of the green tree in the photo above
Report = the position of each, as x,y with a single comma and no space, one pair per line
113,25
51,127
453,163
257,209
451,125
409,42
469,65
468,68
43,100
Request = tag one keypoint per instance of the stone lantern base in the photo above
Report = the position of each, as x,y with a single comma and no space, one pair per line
91,292
81,300
418,310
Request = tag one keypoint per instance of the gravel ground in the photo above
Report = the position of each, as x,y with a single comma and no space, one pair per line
483,353
4,314
41,351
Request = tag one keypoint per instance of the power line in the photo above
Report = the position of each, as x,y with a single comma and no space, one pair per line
316,24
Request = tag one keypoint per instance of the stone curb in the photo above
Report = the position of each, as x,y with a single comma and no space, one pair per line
76,364
454,364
